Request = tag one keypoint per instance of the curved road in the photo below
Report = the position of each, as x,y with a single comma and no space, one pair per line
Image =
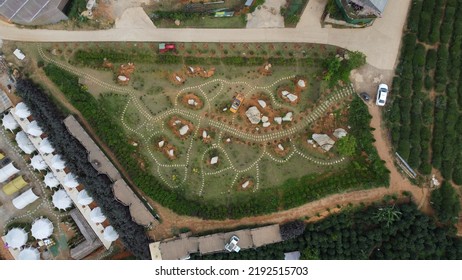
380,42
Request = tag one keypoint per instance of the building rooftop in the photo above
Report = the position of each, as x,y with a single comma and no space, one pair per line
33,12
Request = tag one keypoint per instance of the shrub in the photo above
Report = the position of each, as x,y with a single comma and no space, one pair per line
428,82
431,60
424,26
414,16
446,203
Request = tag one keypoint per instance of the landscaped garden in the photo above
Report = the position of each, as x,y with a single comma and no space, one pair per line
167,118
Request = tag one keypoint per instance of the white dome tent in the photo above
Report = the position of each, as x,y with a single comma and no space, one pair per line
42,228
58,163
61,200
45,146
29,254
51,181
97,216
34,129
110,234
83,198
24,143
38,163
9,122
21,110
16,238
7,171
24,199
70,181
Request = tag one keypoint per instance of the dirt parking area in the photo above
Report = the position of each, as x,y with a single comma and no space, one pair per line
267,15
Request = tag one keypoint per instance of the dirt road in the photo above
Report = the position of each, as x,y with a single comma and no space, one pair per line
380,42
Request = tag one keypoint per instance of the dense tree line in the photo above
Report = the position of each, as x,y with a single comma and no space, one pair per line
421,70
99,186
362,172
377,232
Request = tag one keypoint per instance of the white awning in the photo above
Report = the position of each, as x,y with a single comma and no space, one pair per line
110,234
21,110
16,237
61,200
58,163
97,216
38,163
70,181
29,254
42,228
34,129
83,198
24,199
51,181
24,143
45,146
7,171
9,122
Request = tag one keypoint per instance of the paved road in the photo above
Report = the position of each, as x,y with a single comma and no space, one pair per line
380,42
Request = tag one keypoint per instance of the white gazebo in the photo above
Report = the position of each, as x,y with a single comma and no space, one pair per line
16,238
70,181
83,198
97,216
21,110
38,163
24,199
45,146
34,129
9,122
51,181
42,228
7,171
61,200
110,234
29,254
24,143
58,163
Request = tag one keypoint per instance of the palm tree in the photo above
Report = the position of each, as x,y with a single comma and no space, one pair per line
388,215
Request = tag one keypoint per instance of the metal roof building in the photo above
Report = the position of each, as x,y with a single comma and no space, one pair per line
33,12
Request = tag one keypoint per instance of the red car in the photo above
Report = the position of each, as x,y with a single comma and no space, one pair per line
163,47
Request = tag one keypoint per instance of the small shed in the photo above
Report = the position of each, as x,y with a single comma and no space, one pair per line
15,185
19,55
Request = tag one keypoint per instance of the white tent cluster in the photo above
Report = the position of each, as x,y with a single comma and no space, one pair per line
34,129
21,110
38,163
58,163
110,234
29,254
97,216
9,122
24,199
51,181
83,198
7,171
16,238
70,181
61,200
42,228
24,143
45,146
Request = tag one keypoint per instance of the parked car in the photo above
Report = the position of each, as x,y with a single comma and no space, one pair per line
382,93
365,96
